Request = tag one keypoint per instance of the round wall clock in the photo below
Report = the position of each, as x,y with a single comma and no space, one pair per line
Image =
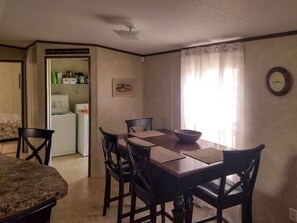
278,81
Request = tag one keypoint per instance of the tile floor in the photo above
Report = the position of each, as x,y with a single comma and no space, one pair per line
83,203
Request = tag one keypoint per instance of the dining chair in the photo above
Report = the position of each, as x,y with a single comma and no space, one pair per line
116,167
222,193
36,140
141,124
145,187
40,213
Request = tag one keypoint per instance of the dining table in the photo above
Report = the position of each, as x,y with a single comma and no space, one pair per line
25,185
182,165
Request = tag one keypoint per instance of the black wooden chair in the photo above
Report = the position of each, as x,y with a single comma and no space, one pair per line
28,135
117,168
145,187
224,193
142,124
40,213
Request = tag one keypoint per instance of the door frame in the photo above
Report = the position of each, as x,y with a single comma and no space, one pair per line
48,97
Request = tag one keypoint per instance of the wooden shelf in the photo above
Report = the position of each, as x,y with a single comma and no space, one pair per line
70,85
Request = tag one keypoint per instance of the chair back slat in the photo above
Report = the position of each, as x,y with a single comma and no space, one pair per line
116,167
141,124
31,137
140,165
111,152
243,166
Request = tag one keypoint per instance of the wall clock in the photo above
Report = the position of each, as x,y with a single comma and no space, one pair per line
278,81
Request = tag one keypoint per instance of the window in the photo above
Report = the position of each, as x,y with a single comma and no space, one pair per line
212,92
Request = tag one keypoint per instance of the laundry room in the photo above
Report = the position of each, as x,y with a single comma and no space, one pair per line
68,94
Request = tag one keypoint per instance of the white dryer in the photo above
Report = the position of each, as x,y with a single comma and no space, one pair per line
82,130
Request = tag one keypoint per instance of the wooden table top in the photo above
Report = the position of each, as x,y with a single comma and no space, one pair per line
24,184
186,172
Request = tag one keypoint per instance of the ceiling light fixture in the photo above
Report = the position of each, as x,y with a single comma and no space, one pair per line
128,34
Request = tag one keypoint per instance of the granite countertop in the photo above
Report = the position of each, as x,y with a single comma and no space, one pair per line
24,184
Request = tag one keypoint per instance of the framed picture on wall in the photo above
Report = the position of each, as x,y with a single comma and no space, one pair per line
123,87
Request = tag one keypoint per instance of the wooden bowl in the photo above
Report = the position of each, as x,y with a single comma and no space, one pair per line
187,135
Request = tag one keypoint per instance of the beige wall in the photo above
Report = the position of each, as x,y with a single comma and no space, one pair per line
9,53
31,83
113,111
162,90
272,121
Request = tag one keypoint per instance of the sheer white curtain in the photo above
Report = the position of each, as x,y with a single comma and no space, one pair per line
212,97
212,92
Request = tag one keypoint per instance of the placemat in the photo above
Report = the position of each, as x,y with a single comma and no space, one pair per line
140,141
162,155
146,134
209,155
122,142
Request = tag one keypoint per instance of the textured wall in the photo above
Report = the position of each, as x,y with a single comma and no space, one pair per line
113,111
162,90
272,121
8,53
31,89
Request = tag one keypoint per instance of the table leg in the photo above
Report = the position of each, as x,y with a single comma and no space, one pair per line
179,211
188,206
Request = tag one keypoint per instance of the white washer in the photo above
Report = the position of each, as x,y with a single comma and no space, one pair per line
82,131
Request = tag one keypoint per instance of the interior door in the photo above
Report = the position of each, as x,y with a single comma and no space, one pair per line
10,99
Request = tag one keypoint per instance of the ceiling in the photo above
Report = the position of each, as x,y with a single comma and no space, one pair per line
164,25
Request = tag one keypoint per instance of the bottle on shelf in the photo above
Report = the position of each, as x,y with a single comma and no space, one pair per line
59,78
81,78
54,77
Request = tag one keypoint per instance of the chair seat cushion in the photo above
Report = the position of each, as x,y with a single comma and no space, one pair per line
116,173
125,167
159,193
209,191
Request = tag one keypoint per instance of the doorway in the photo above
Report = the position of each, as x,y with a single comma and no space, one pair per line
11,104
67,101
